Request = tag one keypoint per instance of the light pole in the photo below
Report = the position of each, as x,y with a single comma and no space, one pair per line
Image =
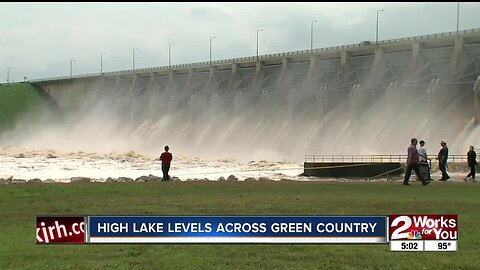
169,53
8,74
458,14
376,34
311,35
133,58
211,49
259,30
71,68
101,62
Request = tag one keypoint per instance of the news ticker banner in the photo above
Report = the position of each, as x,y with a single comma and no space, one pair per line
213,229
403,230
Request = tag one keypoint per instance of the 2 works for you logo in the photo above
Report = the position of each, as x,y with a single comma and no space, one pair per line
423,227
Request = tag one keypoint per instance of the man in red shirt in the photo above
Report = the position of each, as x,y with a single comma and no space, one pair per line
166,158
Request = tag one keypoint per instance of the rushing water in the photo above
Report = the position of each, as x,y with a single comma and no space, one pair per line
27,164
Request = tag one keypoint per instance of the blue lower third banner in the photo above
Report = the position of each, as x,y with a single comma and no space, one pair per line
237,229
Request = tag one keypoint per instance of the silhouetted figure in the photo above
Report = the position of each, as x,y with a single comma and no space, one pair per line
472,161
442,161
166,158
412,163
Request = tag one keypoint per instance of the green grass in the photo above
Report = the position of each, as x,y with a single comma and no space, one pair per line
18,100
19,204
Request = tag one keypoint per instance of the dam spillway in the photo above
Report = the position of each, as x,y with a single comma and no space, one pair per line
362,99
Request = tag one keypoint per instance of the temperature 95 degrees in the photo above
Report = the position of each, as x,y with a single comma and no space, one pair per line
444,245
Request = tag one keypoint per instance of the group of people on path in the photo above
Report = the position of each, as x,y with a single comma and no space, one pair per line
417,158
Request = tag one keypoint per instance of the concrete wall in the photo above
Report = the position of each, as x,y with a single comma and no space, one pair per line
347,169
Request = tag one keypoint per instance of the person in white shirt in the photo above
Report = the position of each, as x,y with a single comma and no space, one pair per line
422,152
423,159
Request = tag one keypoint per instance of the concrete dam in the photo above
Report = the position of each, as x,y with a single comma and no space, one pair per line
354,99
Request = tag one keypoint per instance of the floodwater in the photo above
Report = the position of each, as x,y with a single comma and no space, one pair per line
21,163
49,164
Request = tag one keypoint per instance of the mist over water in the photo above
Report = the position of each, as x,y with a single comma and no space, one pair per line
274,114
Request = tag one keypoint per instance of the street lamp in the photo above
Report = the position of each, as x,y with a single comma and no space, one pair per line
376,34
259,30
311,35
211,49
71,68
458,14
169,54
133,58
8,74
101,62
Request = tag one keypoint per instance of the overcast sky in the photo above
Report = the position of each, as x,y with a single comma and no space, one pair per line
39,40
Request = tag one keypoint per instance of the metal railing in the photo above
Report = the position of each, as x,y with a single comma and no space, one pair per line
261,57
371,158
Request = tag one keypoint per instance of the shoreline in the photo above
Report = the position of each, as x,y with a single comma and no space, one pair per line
455,176
20,165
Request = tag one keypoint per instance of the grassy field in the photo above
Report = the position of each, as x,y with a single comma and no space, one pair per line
22,202
18,100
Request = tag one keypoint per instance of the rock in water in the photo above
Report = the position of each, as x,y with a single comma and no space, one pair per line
34,180
124,179
232,178
80,180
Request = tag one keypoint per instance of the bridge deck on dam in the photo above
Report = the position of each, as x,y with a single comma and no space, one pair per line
400,45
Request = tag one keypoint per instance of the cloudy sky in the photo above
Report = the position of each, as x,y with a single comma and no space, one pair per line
38,40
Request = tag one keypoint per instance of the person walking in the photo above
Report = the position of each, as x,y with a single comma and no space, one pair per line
472,161
442,161
412,163
166,158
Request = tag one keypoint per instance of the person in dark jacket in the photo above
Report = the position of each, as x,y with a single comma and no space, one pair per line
472,161
442,161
